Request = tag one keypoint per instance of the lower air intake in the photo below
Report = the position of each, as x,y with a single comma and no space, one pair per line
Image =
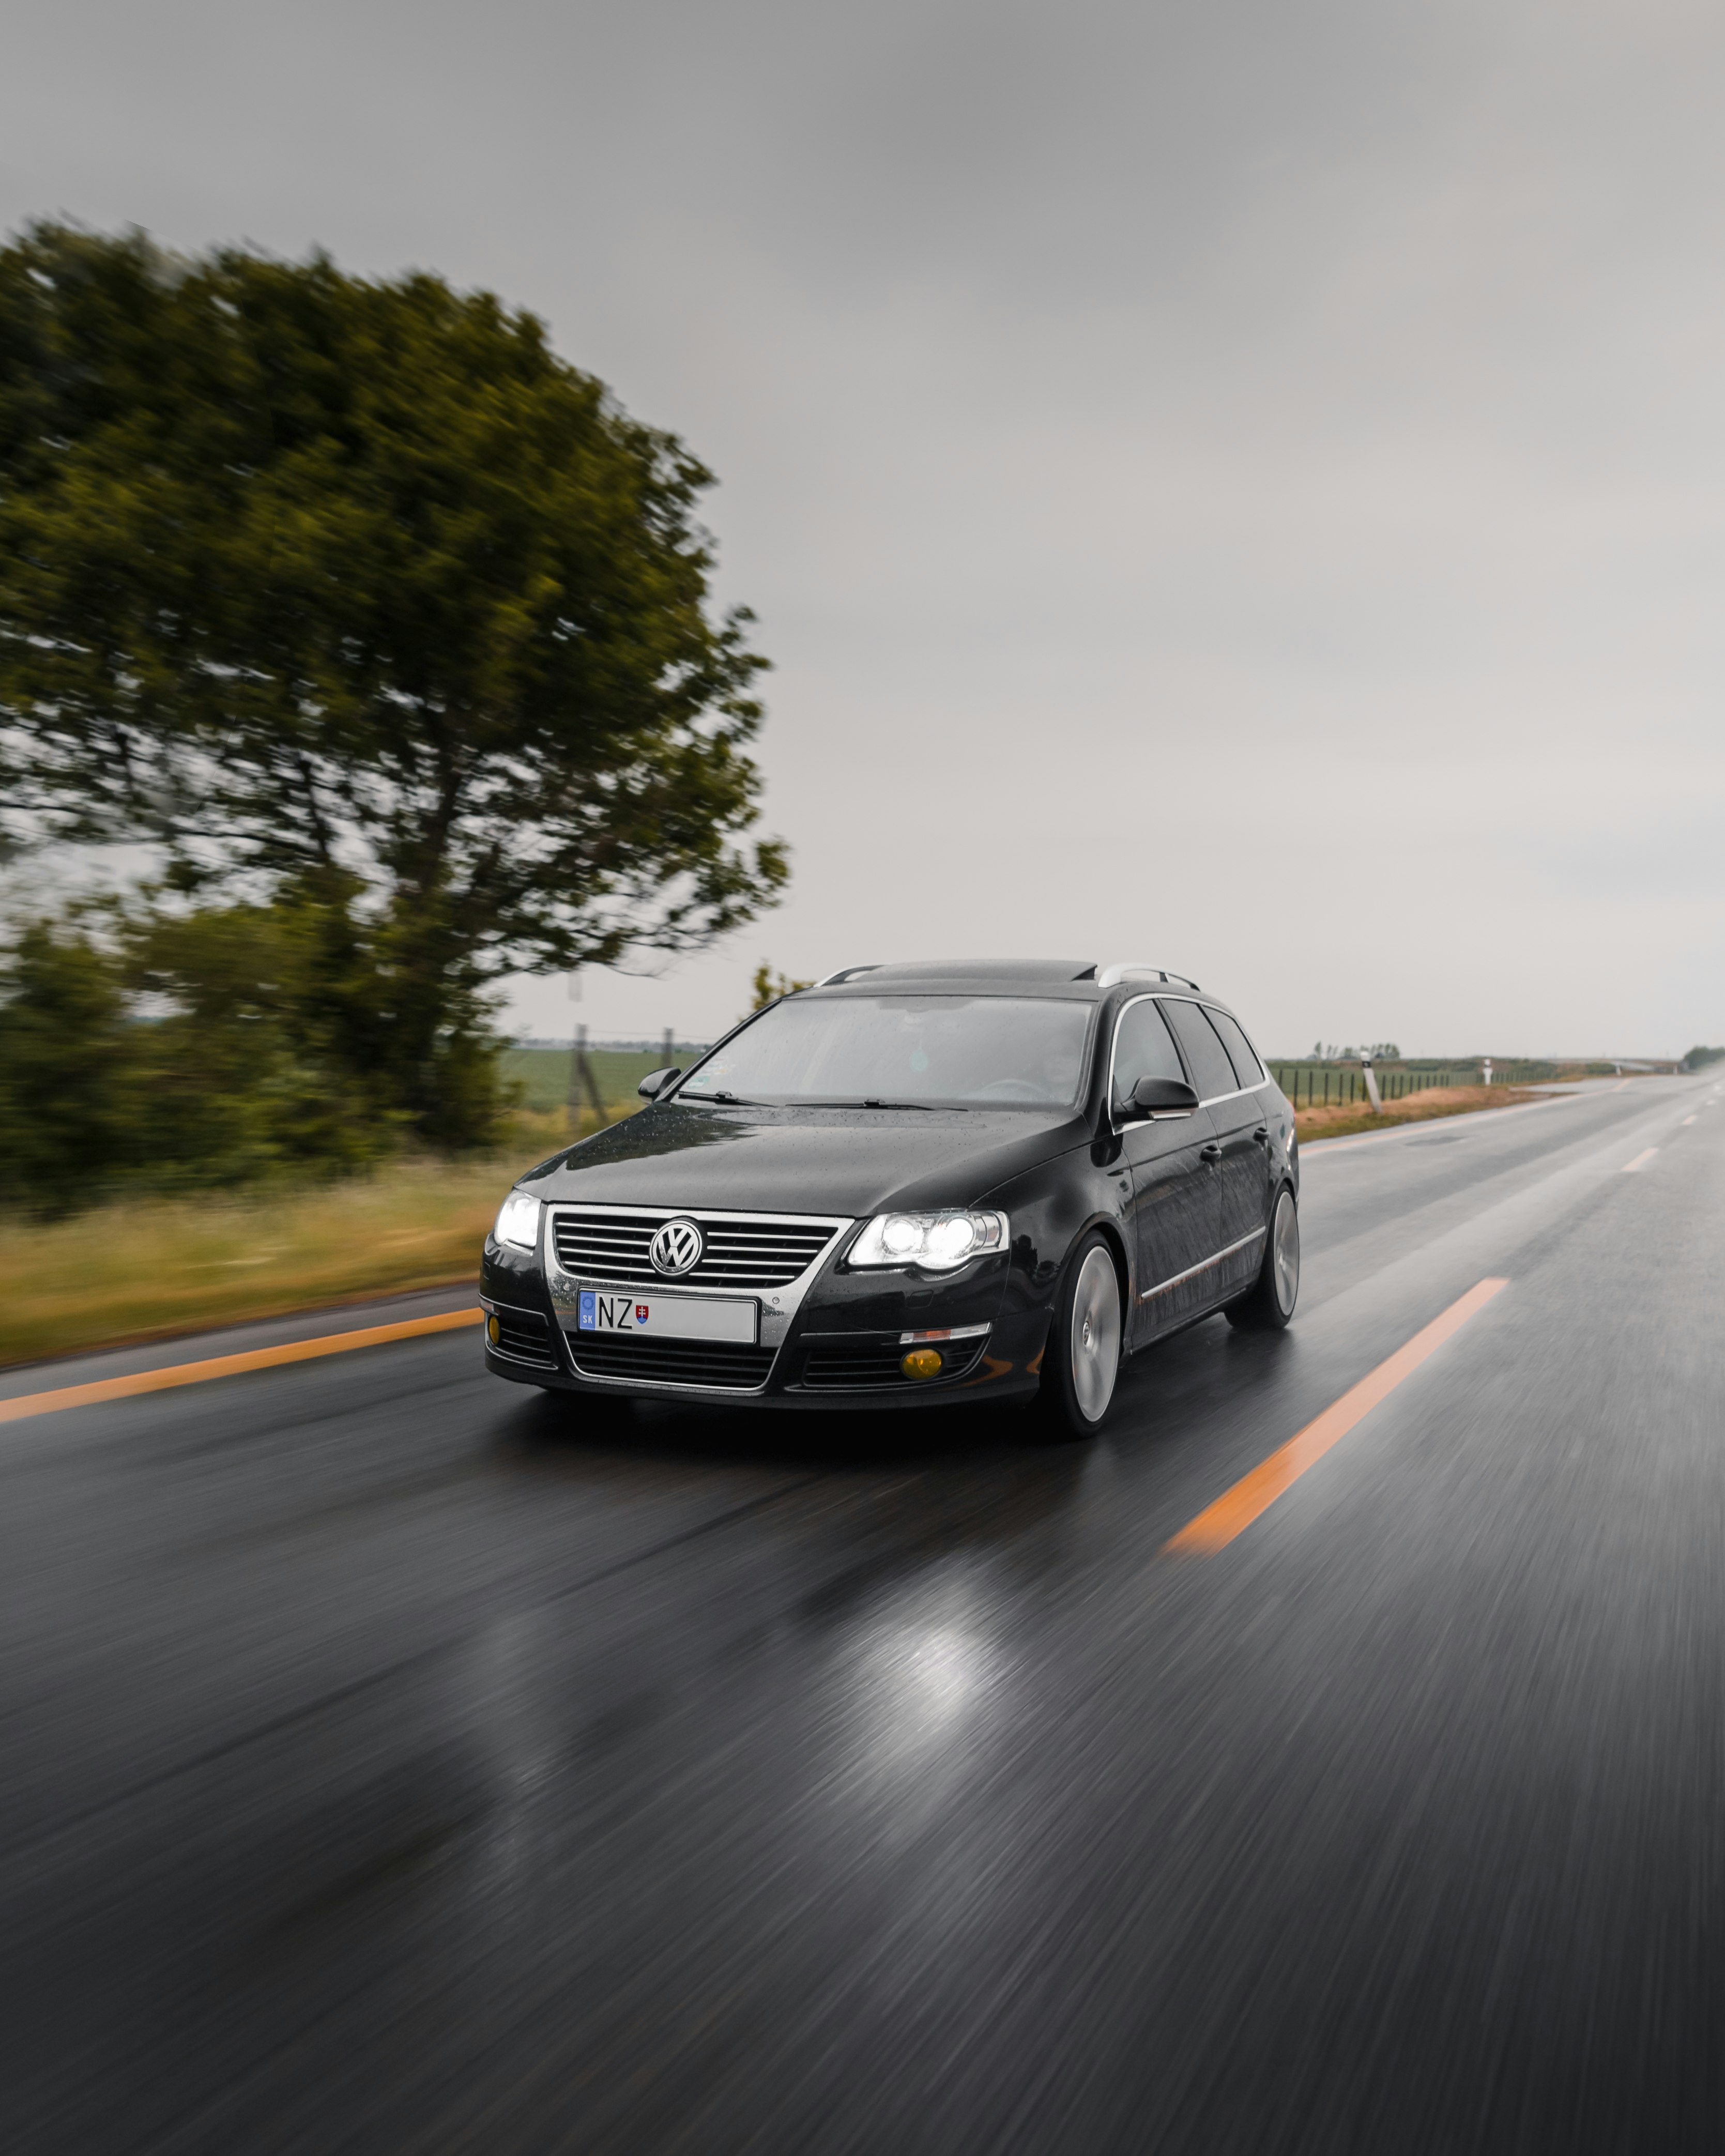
865,1365
736,1368
523,1337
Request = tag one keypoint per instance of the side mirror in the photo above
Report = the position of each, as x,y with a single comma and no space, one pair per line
655,1082
1153,1096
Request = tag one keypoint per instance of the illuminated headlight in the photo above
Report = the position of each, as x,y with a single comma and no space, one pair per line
518,1221
938,1242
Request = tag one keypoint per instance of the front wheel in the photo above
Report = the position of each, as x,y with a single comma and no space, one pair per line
1269,1304
1081,1360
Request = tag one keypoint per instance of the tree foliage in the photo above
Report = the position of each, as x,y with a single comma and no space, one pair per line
140,1051
355,595
766,987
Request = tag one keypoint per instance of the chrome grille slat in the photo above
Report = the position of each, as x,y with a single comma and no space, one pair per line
590,1244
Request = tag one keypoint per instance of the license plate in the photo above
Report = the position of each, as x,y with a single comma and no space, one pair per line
666,1317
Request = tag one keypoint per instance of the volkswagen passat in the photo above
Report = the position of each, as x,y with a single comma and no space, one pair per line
909,1184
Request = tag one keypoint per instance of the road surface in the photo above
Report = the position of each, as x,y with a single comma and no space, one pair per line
386,1763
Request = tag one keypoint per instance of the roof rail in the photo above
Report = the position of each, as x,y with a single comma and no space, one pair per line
1135,969
845,973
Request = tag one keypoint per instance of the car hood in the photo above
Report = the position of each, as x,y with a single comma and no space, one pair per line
856,1161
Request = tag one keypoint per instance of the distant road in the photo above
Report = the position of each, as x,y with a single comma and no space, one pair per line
385,1765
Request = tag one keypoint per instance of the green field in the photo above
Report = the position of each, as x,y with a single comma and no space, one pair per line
543,1074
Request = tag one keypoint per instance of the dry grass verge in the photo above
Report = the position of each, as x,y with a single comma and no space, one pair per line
143,1270
1345,1120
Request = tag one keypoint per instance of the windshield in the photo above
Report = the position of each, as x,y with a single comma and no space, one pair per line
981,1051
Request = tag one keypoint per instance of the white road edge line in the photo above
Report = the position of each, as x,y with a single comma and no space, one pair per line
1425,1123
1640,1160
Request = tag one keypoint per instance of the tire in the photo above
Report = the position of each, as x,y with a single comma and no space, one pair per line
1081,1361
1269,1304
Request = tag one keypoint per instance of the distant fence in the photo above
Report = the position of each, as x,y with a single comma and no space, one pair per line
1327,1086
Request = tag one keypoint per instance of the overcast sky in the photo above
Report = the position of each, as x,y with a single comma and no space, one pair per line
1232,485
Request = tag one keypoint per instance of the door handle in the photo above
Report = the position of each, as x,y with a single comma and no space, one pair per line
1209,1153
1262,1135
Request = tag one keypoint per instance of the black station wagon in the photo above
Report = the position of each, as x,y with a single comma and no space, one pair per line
909,1184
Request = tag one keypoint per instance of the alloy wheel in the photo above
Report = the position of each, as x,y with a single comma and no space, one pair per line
1285,1251
1095,1335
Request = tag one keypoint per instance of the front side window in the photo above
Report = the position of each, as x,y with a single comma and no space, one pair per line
970,1051
1212,1073
1143,1048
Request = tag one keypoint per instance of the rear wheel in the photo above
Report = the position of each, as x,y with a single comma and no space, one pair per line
1081,1361
1269,1304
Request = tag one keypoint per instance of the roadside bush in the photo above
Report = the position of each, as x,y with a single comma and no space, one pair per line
143,1050
66,1046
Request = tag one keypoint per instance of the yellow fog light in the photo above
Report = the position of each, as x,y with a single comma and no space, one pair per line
495,1330
921,1363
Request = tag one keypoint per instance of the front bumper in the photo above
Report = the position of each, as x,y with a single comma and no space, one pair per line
841,1348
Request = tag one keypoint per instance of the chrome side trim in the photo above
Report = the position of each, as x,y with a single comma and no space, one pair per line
1191,1272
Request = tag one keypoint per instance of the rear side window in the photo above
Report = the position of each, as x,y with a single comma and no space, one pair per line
1246,1066
1143,1048
1212,1073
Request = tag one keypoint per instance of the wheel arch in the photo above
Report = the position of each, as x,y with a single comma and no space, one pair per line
1109,1232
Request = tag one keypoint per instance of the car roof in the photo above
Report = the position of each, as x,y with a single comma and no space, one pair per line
1080,979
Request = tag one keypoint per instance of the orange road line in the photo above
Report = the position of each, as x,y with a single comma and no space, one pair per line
228,1366
1235,1509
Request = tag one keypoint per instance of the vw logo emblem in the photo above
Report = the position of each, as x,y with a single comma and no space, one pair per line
677,1247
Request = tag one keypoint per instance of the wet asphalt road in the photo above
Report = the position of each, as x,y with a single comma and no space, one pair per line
389,1764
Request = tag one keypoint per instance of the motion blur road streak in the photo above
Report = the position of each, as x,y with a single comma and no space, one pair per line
390,1762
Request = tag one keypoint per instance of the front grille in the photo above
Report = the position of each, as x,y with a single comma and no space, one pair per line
873,1365
524,1337
733,1365
757,1252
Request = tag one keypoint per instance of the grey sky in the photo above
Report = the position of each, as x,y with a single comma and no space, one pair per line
1233,485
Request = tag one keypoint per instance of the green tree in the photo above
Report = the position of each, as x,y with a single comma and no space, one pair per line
65,1047
354,593
140,1051
767,987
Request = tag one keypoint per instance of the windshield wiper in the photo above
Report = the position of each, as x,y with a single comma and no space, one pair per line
922,1107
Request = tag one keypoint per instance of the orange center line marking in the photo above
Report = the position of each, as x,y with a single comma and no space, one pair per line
228,1366
1235,1509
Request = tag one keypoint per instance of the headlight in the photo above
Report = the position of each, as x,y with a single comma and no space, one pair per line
938,1242
518,1221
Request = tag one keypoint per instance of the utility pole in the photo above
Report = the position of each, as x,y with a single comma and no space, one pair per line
667,1051
582,1079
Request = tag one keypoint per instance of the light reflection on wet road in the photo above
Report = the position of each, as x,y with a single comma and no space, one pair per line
390,1765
